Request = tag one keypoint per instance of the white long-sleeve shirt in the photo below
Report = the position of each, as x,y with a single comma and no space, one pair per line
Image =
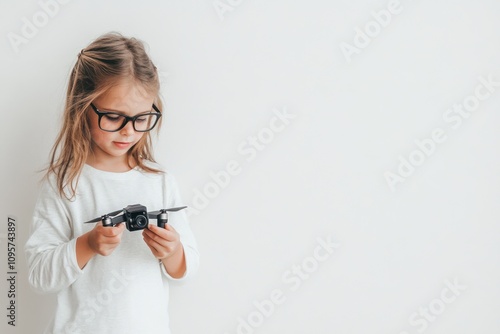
125,292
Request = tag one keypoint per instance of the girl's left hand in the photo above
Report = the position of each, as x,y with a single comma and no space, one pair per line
163,242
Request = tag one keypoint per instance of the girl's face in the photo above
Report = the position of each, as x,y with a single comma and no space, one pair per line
109,149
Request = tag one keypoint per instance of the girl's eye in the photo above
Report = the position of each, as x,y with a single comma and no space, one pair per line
141,119
112,117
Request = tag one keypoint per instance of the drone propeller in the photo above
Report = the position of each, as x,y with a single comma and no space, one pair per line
154,214
95,220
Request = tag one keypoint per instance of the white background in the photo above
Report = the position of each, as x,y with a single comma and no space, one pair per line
321,176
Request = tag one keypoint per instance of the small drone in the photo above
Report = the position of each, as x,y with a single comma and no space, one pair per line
135,217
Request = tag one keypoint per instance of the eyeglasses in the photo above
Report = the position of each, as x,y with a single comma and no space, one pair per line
113,121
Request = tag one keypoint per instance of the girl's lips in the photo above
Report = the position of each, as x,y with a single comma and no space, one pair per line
121,144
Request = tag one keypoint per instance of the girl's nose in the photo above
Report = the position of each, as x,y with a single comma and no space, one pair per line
128,129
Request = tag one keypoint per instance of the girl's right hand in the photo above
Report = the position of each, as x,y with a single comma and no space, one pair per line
103,240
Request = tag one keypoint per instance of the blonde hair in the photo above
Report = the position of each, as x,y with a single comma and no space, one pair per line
104,63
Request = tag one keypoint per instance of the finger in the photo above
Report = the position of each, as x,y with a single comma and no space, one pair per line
157,250
110,234
153,250
157,230
113,240
153,243
112,231
161,245
151,234
155,239
168,234
109,240
169,227
116,230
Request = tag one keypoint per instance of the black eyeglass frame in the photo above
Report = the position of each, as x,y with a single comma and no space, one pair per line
101,113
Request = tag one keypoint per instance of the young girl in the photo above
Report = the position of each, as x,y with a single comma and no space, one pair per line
108,279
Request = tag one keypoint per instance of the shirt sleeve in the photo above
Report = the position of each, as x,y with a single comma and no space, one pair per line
50,249
179,221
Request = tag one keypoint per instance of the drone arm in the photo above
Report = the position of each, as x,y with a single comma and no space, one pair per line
117,220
